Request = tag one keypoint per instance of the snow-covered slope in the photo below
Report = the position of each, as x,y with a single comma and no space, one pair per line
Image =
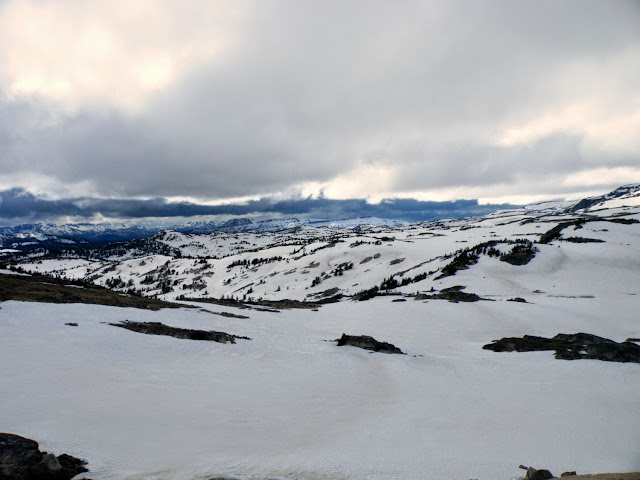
33,236
625,196
290,404
312,263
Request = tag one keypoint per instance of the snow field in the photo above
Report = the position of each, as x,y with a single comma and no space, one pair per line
288,404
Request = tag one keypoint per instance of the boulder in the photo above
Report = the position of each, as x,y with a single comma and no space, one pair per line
368,343
157,328
533,474
453,294
21,459
517,299
575,346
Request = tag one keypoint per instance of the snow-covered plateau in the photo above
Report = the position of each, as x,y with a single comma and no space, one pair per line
290,403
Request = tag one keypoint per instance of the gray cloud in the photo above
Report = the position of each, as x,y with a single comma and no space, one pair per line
18,206
309,91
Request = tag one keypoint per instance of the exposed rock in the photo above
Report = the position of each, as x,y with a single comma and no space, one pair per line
582,240
21,459
328,293
41,288
609,476
50,463
623,221
72,324
453,294
396,261
517,299
568,474
571,347
225,314
399,300
368,343
534,474
157,328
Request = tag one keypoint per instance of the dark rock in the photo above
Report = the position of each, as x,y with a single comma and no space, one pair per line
71,464
368,343
329,292
571,347
623,221
517,299
72,324
533,474
157,328
21,459
399,300
568,474
582,240
452,294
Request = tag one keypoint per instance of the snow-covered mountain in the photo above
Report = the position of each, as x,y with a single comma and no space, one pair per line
292,404
80,235
627,195
307,262
33,236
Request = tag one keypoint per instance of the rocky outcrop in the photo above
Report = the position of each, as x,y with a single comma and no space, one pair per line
571,347
368,343
452,294
21,459
541,474
157,328
582,240
517,299
534,474
607,476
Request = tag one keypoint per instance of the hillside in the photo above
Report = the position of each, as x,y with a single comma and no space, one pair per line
134,393
314,263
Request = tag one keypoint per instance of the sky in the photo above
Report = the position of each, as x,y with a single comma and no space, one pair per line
242,103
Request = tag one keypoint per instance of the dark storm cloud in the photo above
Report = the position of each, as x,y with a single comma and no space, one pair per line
18,204
312,90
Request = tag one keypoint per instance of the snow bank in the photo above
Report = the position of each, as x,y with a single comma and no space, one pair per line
290,404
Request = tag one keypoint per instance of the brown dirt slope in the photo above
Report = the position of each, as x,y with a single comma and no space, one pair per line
50,290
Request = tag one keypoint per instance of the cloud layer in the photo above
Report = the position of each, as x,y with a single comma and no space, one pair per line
216,100
19,206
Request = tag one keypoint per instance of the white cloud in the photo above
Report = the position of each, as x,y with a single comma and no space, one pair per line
117,52
599,177
221,100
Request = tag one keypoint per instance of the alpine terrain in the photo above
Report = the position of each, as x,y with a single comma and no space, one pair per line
364,349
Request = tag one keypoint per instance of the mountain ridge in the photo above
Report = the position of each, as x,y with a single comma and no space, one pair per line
51,236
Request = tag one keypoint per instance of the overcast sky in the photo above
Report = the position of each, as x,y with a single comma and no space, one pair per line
229,101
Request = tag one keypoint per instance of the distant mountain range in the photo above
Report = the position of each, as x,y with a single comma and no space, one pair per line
32,236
